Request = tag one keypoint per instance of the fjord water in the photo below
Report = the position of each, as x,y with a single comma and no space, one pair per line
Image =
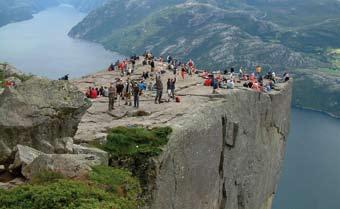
311,169
41,45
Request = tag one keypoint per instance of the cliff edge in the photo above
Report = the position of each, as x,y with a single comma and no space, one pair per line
225,151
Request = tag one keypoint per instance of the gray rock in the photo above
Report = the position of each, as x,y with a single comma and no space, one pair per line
225,157
24,155
69,165
39,112
103,156
64,145
12,184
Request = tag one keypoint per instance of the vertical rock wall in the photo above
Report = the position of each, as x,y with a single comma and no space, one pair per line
227,155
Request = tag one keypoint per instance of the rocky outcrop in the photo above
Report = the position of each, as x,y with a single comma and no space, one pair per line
69,165
102,155
24,156
40,114
226,154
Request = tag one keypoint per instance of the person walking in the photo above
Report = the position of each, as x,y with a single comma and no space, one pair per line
173,87
112,96
159,86
127,92
136,92
152,64
120,88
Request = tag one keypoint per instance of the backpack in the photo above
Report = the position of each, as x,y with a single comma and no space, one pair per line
178,99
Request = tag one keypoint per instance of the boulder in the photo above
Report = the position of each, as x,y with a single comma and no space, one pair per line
38,113
24,155
69,165
64,145
12,184
102,155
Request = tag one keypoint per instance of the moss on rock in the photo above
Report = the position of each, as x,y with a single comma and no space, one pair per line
131,142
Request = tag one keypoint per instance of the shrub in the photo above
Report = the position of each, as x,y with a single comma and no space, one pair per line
50,191
45,177
118,181
129,142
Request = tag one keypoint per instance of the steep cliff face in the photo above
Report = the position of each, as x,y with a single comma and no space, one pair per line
227,154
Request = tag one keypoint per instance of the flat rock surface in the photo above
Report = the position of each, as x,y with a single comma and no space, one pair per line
192,92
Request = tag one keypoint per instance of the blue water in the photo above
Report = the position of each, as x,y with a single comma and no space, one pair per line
41,45
311,170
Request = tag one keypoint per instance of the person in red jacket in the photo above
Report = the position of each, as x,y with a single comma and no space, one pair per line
93,93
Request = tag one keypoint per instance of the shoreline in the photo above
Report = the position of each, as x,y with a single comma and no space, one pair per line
316,110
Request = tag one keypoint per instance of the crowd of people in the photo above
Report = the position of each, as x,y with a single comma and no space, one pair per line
150,81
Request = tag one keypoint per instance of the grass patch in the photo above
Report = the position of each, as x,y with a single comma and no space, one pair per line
107,188
130,142
117,181
45,177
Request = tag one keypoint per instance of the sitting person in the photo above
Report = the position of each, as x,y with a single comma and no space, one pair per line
142,86
207,82
267,88
93,94
252,77
256,87
230,84
106,92
286,77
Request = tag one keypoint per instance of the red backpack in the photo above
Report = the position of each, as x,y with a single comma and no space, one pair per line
178,99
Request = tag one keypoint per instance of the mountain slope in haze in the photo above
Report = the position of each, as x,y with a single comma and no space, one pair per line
18,10
212,35
300,38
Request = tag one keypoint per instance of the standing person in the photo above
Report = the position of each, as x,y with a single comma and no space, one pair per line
152,64
112,96
127,92
120,88
159,86
214,85
133,62
183,71
173,87
136,91
168,88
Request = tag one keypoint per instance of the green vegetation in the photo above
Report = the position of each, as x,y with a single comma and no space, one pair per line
131,142
106,188
47,176
117,181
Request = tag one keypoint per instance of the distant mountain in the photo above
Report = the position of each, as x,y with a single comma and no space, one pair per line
18,10
216,33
